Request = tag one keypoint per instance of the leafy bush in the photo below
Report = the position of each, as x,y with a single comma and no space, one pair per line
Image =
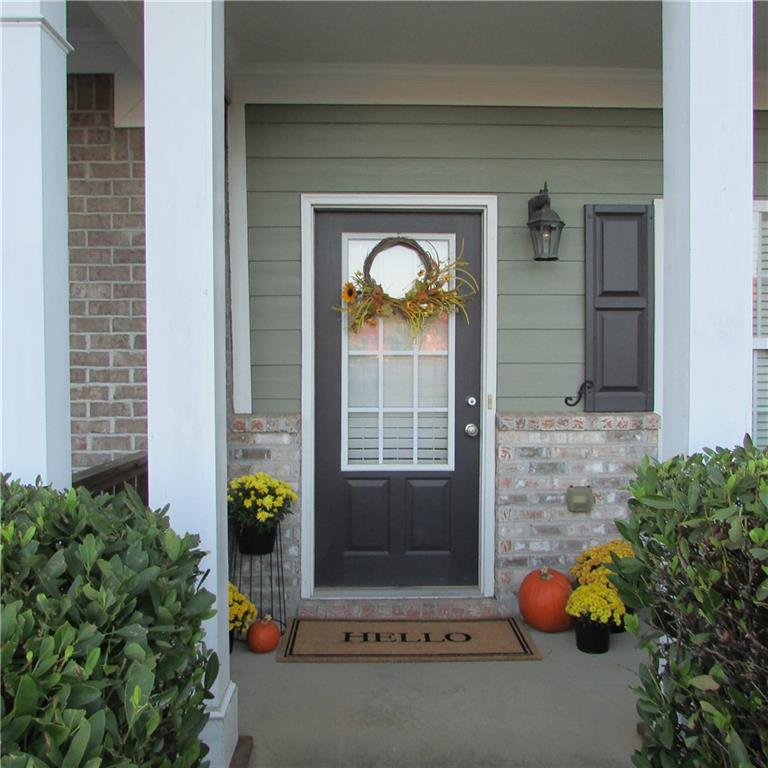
101,634
699,528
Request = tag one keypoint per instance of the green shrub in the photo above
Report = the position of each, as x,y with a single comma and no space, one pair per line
699,527
102,658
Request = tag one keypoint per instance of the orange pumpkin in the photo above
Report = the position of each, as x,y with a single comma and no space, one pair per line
263,636
543,595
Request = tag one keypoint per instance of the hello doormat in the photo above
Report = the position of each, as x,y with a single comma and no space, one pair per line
363,640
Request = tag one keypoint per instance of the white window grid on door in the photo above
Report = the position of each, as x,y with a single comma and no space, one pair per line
414,412
760,326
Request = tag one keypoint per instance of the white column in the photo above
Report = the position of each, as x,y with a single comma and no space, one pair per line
34,387
707,223
184,97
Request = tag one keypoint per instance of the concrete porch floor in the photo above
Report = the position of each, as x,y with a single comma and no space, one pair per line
571,710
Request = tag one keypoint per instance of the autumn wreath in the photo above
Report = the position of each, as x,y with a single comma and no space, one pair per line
437,290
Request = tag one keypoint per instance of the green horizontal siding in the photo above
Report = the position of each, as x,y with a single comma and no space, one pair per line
602,156
534,346
275,313
392,140
276,382
415,115
460,175
537,313
524,379
275,278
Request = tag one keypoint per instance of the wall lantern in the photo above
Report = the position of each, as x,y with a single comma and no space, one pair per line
545,226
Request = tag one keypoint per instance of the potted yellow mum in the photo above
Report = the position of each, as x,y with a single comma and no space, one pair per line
594,606
255,505
592,567
242,613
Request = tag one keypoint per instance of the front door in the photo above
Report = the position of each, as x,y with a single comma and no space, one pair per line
397,461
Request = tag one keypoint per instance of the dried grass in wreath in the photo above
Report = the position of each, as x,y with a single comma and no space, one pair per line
438,290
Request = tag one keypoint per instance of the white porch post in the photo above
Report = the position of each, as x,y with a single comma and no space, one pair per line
707,230
35,260
184,97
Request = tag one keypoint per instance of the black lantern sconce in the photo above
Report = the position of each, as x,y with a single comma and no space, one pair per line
545,226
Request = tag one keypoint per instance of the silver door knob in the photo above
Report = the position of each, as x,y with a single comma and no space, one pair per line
472,430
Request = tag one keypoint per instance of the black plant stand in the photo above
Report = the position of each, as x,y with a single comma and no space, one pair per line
260,577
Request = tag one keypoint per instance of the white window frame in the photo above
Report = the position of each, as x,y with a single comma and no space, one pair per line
487,206
758,342
414,466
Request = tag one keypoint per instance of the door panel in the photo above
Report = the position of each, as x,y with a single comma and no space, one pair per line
397,479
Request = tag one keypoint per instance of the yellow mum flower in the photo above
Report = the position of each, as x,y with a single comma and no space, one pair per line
248,495
596,602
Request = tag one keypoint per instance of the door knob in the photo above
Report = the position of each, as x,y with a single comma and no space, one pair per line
472,430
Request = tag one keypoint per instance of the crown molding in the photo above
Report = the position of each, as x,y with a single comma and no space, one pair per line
45,26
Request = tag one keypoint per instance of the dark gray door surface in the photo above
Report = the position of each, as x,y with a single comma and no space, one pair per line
414,525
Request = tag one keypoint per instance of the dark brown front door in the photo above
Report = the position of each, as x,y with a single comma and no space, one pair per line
396,474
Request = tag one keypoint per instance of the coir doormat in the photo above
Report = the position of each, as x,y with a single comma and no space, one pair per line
362,640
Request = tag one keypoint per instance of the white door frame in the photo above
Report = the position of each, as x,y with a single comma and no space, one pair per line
487,205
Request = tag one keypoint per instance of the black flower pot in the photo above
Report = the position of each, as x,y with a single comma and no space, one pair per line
256,541
618,628
592,636
231,640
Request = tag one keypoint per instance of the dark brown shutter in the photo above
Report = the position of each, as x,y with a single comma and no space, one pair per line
619,307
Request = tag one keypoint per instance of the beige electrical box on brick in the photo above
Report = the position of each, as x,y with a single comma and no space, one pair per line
579,498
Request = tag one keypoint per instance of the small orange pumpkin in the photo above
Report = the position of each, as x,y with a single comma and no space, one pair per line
543,595
263,636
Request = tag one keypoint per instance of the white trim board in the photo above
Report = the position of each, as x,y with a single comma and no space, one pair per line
457,84
658,318
239,283
487,205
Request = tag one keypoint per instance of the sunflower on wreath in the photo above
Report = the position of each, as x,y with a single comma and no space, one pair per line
437,291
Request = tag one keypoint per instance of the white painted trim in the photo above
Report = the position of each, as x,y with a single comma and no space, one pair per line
488,206
242,401
658,318
35,436
45,26
459,84
220,732
488,403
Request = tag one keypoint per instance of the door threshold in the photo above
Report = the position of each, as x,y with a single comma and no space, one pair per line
394,593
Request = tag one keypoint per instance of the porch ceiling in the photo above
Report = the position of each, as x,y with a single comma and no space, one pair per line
610,33
530,34
415,51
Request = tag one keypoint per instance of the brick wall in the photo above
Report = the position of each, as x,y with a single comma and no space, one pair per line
273,444
107,288
538,456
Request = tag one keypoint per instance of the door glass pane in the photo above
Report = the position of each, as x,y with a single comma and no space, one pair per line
397,335
398,382
433,438
363,438
365,340
363,382
433,382
398,438
435,336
